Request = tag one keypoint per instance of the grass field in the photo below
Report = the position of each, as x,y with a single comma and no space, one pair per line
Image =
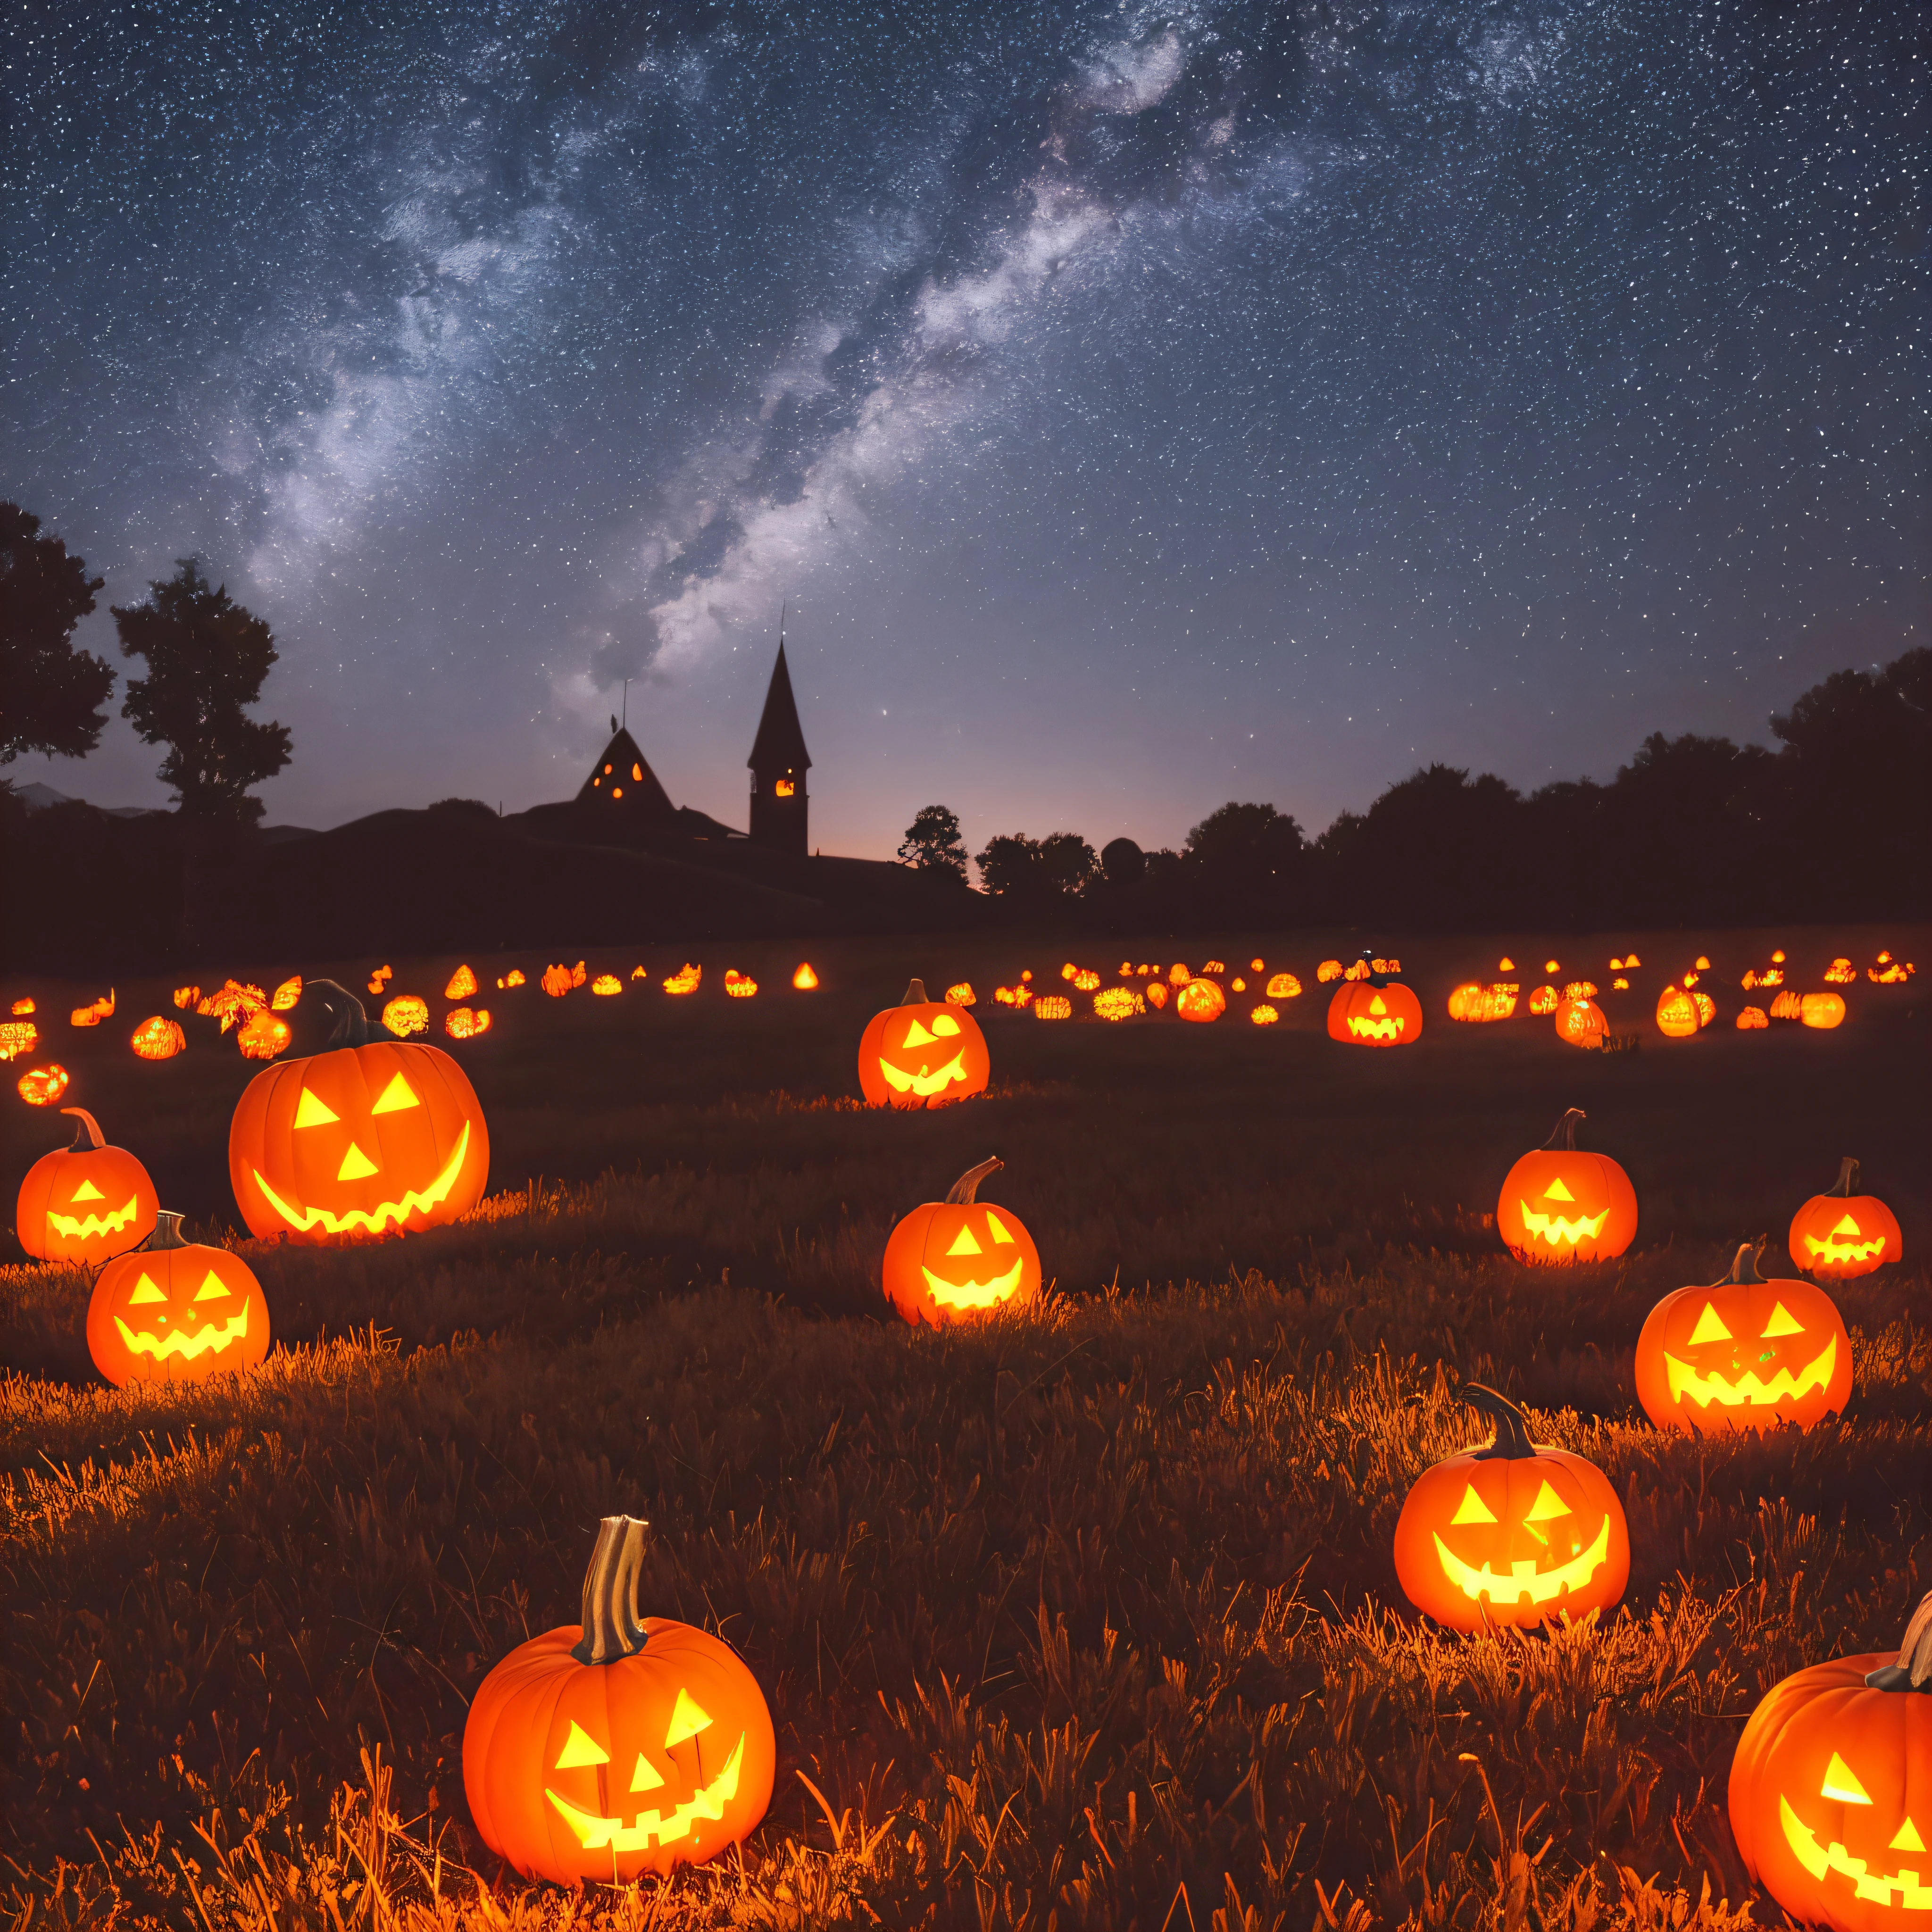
1087,1618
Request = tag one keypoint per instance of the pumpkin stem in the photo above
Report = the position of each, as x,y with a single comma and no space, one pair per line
351,1020
167,1233
915,994
88,1134
962,1192
1848,1172
1566,1127
1744,1266
1913,1669
610,1626
1512,1444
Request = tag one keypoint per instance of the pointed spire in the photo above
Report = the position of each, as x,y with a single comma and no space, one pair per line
779,746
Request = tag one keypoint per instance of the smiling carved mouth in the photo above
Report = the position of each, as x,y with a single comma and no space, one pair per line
1750,1388
74,1227
1829,1250
1557,1228
216,1336
974,1294
597,1835
390,1212
1912,1894
923,1083
1389,1027
1524,1579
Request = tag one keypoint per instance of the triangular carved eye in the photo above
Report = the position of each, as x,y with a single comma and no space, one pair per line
1548,1504
1710,1327
1375,1005
1846,1225
1840,1783
1782,1322
144,1290
1556,1191
963,1243
998,1229
1908,1839
1472,1508
945,1023
917,1035
356,1165
397,1095
87,1191
580,1748
212,1288
313,1110
646,1777
687,1721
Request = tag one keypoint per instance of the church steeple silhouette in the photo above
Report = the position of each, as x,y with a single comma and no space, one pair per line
779,762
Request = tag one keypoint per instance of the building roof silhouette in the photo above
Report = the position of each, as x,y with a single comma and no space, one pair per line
780,744
622,770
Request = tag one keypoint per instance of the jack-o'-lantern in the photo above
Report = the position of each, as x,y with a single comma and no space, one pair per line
1119,1003
556,981
961,994
805,978
462,984
1263,1015
1753,1019
1677,1016
23,1005
620,1745
287,996
264,1034
466,1022
1743,1353
1374,1011
42,1086
1200,1001
1053,1007
186,996
923,1053
1832,1787
371,1137
1156,993
406,1014
1559,1203
1329,971
1284,986
176,1311
606,986
742,986
1512,1534
1837,1234
687,979
158,1038
1823,1010
1581,1023
960,1260
1544,999
86,1202
1476,1004
16,1037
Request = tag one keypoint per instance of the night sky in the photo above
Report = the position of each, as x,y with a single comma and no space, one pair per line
1140,407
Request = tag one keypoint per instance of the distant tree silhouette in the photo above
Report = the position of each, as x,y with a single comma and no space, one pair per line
51,695
1037,871
1249,863
207,656
1435,850
1123,862
932,843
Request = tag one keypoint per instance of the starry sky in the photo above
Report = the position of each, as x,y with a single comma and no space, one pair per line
1140,406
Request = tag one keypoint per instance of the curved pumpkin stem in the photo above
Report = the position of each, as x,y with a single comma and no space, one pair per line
1566,1127
1913,1670
610,1626
1848,1174
1744,1266
88,1134
1512,1444
167,1233
352,1019
915,994
962,1193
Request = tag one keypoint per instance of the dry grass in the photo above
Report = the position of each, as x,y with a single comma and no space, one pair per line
1086,1618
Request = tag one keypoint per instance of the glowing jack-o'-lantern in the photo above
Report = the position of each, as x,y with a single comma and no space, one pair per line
86,1202
287,996
1823,1010
1743,1354
618,1746
805,978
462,984
1837,1234
1200,1001
1561,1205
923,1053
1677,1014
1053,1007
1832,1787
406,1014
16,1037
42,1086
1478,1004
959,1260
1374,1011
370,1138
158,1038
176,1311
1580,1022
1119,1003
264,1034
1283,986
1512,1534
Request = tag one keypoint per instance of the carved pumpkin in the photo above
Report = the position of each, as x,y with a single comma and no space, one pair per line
1200,1001
264,1034
1053,1007
1156,993
406,1014
1477,1004
287,996
1823,1010
369,1138
1580,1022
42,1086
618,1746
1283,986
86,1202
805,978
923,1053
1752,1019
959,1260
1544,999
466,1022
16,1037
176,1311
686,979
961,994
1832,1787
1512,1534
1743,1353
1119,1003
1838,1233
462,984
1677,1016
159,1038
24,1005
1263,1015
1373,1012
1561,1205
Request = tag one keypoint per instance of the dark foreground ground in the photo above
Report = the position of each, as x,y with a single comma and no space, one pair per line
1086,1618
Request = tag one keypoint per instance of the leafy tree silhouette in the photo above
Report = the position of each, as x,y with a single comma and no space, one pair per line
51,694
207,656
1036,872
932,843
1250,863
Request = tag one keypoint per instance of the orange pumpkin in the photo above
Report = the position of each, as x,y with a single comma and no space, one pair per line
618,1746
42,1086
159,1038
1364,1013
1743,1354
1580,1022
1832,1788
1838,1233
1558,1204
176,1311
922,1053
1478,1004
1200,1001
959,1260
86,1202
1512,1534
370,1138
1677,1014
1823,1010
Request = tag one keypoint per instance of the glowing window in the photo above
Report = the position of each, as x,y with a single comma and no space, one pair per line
784,788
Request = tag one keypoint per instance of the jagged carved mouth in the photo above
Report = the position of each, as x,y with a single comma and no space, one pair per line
1557,1228
1388,1027
1524,1579
78,1227
1830,1249
974,1294
1749,1391
1913,1895
216,1336
923,1083
388,1214
597,1835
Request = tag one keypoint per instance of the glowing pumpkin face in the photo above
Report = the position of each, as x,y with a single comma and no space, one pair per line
1366,1015
370,1139
1677,1014
1512,1534
1558,1204
176,1311
620,1746
86,1202
960,1260
1200,1001
1743,1354
1580,1022
1824,1010
923,1053
1830,1790
1838,1234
